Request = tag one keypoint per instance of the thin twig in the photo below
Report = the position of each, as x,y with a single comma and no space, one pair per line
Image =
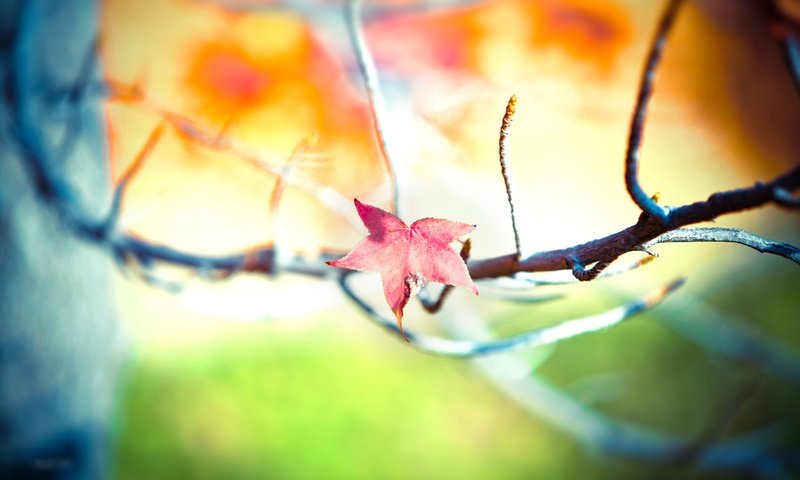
377,102
525,280
256,259
280,186
283,176
750,451
53,187
526,297
508,117
643,200
429,304
432,306
530,339
729,235
583,274
146,272
637,236
130,172
220,142
223,131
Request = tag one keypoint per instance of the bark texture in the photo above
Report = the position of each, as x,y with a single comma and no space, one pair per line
60,345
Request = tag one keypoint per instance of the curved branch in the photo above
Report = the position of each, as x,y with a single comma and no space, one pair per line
528,280
258,259
219,141
531,339
752,451
599,253
376,101
636,132
730,235
637,236
505,169
119,191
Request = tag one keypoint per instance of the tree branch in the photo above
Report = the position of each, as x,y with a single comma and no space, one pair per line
638,236
132,170
531,339
731,235
644,201
376,101
508,117
751,451
587,261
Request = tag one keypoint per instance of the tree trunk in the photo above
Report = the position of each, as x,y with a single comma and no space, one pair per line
59,340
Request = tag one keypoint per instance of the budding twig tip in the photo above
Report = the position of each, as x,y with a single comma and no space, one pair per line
512,104
505,170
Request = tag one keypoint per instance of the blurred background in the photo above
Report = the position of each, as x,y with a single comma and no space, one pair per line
280,377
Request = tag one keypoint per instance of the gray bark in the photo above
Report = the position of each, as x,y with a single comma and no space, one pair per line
60,345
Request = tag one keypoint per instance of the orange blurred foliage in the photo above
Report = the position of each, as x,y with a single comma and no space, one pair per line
260,80
466,40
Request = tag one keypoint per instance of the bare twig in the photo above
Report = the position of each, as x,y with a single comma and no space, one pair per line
147,273
429,304
53,188
584,274
643,200
531,339
594,429
655,220
130,172
277,195
731,235
257,259
600,252
525,280
219,141
508,117
433,306
377,102
282,178
280,185
527,297
637,236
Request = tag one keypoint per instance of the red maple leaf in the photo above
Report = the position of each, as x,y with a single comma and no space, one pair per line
407,257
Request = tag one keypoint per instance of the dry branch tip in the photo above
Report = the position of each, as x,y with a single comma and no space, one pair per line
505,169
